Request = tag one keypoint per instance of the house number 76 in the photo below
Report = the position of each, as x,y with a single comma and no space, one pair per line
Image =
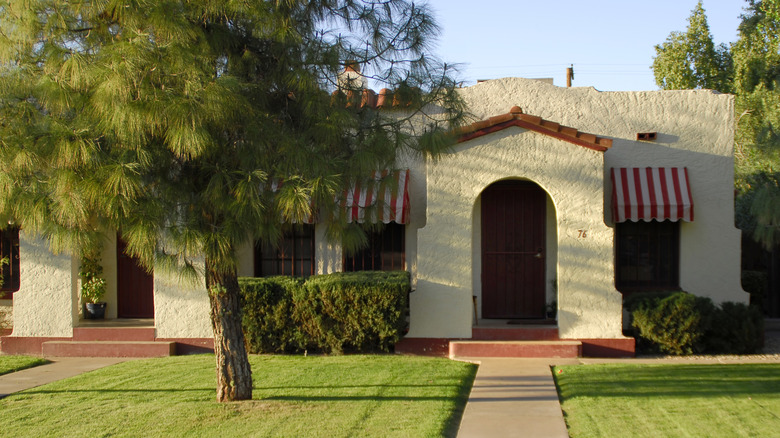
582,234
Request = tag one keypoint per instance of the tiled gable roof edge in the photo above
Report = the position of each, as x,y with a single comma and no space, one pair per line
515,117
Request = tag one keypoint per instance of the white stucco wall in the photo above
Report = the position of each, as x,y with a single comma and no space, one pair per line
246,259
181,307
109,262
46,304
695,130
573,179
6,314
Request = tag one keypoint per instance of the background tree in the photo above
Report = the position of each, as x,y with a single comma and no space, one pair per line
749,68
691,60
756,78
167,120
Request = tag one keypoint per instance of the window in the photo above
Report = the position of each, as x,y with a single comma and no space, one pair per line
648,256
385,251
294,256
9,248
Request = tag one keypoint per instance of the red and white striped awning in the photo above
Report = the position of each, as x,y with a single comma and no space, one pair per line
651,193
383,198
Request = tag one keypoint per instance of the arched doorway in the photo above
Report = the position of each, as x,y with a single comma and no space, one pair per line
513,250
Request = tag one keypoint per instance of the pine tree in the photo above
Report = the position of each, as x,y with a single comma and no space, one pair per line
169,119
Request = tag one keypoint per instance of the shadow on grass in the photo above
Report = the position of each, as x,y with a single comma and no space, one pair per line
23,366
715,380
453,423
462,397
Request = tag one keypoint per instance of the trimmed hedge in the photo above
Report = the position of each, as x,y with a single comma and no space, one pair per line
333,313
267,308
680,323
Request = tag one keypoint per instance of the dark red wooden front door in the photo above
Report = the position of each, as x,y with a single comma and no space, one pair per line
513,250
135,287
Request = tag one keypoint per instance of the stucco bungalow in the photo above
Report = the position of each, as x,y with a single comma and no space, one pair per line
559,199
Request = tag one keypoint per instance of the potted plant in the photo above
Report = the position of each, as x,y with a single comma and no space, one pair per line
551,309
93,286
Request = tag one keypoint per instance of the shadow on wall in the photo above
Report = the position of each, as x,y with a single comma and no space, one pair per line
6,315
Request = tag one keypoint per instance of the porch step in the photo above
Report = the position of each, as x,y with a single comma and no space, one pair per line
564,349
113,334
515,333
108,349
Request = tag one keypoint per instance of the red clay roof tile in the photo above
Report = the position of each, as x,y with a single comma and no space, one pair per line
386,99
515,117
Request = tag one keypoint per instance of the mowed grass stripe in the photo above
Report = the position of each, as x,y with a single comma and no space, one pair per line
293,396
670,400
10,364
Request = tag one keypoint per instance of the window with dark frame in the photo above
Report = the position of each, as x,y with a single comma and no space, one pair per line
294,256
9,248
385,251
648,256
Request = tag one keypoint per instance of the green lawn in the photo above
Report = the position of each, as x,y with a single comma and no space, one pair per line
9,364
294,396
670,400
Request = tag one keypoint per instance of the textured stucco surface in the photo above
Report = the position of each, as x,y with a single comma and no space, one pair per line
695,130
6,314
109,261
181,308
572,176
47,301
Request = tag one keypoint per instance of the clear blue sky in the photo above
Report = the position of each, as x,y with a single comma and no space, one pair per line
610,42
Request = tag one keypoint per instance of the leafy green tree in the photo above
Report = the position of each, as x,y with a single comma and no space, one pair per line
750,69
691,60
169,119
756,78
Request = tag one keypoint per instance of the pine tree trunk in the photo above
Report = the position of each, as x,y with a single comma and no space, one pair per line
234,375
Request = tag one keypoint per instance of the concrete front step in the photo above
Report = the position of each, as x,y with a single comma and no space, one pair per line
113,334
563,349
108,349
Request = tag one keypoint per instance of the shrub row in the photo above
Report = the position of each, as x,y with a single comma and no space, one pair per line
333,313
680,323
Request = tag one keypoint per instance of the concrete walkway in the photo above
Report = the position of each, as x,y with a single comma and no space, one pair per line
514,398
59,368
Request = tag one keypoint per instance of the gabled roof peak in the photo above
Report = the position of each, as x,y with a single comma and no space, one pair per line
516,117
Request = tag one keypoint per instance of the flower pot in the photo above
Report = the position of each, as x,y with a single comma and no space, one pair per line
94,310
